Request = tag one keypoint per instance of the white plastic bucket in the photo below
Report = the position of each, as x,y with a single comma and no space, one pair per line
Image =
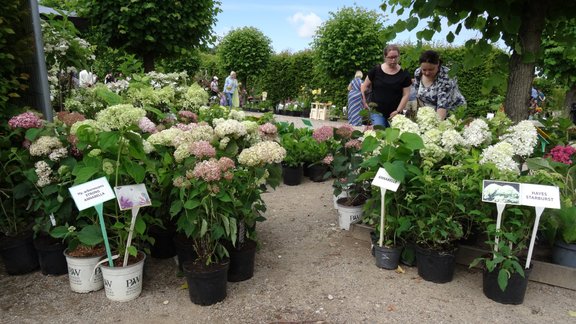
80,273
123,283
343,194
349,215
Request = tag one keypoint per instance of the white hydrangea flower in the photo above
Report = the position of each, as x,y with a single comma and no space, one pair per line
432,136
523,138
120,116
404,124
433,152
230,128
477,133
238,115
451,139
44,145
261,153
427,118
501,155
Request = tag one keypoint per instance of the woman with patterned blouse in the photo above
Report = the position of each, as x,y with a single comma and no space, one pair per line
434,87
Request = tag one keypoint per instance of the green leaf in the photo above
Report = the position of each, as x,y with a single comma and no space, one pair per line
140,226
192,204
132,250
90,235
503,279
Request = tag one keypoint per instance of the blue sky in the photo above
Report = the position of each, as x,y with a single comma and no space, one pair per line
290,24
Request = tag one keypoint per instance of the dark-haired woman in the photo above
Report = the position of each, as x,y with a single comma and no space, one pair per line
390,87
434,88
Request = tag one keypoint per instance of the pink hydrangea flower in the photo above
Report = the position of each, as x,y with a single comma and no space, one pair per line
345,131
354,143
202,149
147,126
323,133
208,170
562,154
188,115
26,120
328,159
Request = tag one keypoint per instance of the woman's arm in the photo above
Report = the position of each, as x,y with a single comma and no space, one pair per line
403,101
365,85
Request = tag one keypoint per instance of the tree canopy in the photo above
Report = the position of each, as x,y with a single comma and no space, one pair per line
519,23
246,51
350,40
152,28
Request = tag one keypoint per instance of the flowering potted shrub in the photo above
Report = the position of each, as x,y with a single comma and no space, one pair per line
559,169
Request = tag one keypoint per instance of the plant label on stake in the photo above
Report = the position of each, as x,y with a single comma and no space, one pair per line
132,197
540,197
385,182
501,193
93,194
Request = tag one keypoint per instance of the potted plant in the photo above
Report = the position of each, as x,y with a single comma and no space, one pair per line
292,165
559,169
115,150
504,275
258,165
334,113
396,153
315,151
16,242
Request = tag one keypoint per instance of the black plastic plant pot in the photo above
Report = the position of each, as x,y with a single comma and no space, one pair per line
514,292
434,266
18,254
206,286
51,256
242,262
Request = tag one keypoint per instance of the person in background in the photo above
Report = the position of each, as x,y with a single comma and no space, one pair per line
434,87
390,87
236,96
229,87
214,87
355,100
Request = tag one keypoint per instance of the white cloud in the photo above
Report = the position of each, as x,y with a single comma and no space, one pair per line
306,23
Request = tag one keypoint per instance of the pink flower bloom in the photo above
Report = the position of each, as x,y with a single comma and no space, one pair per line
208,170
226,163
562,154
26,120
185,127
147,126
323,133
345,131
268,129
202,149
328,159
188,115
354,143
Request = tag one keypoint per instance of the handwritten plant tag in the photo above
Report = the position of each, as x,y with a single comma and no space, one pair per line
91,193
385,181
132,196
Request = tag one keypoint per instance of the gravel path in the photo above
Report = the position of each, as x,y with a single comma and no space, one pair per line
307,270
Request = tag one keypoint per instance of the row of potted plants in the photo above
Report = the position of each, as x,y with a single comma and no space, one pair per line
203,172
441,166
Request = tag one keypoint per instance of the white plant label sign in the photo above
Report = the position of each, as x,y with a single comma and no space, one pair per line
91,193
385,181
132,196
540,196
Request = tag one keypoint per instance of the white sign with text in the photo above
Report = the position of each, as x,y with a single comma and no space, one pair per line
91,193
540,196
132,196
385,181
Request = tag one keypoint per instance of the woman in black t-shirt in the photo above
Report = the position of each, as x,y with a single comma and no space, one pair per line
390,87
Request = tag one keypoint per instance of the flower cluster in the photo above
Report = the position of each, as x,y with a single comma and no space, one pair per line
213,170
266,152
345,131
202,149
268,132
427,118
229,128
147,126
562,154
120,116
44,146
26,120
477,133
501,154
404,124
323,133
523,138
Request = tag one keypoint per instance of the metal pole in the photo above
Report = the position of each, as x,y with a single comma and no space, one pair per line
40,66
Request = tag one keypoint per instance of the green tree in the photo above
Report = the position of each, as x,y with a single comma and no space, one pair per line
351,39
559,59
519,23
152,28
245,50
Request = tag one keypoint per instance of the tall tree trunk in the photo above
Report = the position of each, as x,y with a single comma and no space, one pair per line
522,64
148,62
